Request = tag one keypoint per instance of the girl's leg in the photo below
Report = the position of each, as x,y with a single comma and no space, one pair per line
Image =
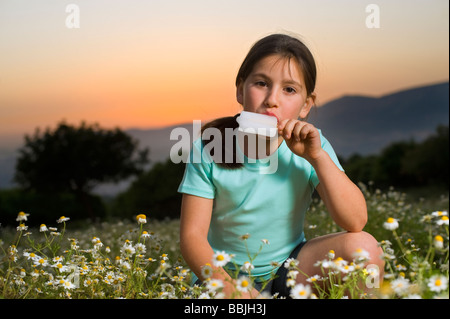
344,244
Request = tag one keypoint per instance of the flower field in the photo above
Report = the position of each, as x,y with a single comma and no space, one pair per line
140,258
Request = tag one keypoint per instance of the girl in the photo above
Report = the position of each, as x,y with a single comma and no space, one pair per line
223,201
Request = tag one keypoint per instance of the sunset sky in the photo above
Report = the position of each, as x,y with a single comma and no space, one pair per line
142,64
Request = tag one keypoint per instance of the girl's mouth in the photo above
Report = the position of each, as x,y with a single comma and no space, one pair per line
271,114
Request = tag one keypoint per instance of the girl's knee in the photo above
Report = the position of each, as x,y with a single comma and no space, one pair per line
358,241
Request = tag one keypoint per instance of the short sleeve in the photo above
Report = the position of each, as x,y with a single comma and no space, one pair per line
326,146
197,175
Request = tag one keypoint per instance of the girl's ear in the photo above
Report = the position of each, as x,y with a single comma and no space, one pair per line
240,92
306,108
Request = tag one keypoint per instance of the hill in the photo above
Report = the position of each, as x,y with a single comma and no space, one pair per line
364,125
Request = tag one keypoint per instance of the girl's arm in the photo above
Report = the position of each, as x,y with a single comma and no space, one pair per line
194,225
343,199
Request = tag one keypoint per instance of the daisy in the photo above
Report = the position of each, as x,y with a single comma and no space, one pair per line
400,285
22,227
331,254
300,291
40,262
291,263
439,213
391,224
125,265
204,295
62,219
66,284
220,258
361,255
244,284
214,284
22,217
43,228
346,268
141,219
438,242
140,248
127,249
339,263
443,220
60,267
314,278
290,282
438,283
30,255
247,267
164,257
244,237
292,274
275,264
97,243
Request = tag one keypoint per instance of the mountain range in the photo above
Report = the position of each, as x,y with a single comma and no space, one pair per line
352,124
365,125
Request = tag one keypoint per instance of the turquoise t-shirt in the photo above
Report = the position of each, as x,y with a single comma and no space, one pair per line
267,206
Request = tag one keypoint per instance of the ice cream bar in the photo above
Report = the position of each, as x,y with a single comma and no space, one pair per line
261,124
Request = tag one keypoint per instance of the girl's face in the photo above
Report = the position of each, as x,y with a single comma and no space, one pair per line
275,87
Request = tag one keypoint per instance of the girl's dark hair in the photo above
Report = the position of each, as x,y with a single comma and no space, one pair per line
285,46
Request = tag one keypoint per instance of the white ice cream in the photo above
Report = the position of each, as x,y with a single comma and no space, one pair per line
261,124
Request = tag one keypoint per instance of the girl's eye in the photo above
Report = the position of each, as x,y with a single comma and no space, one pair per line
290,90
261,83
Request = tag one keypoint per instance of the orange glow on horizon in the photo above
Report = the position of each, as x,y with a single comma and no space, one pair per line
142,64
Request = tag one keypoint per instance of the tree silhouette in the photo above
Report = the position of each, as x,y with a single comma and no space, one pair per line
76,159
154,193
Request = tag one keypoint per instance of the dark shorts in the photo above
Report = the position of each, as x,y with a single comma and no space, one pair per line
277,285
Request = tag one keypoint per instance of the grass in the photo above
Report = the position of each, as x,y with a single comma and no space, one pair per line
137,259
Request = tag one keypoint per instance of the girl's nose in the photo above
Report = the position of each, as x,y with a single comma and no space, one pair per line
271,98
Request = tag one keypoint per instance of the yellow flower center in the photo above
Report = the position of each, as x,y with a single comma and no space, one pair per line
141,216
244,283
438,283
438,238
390,220
444,218
220,258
